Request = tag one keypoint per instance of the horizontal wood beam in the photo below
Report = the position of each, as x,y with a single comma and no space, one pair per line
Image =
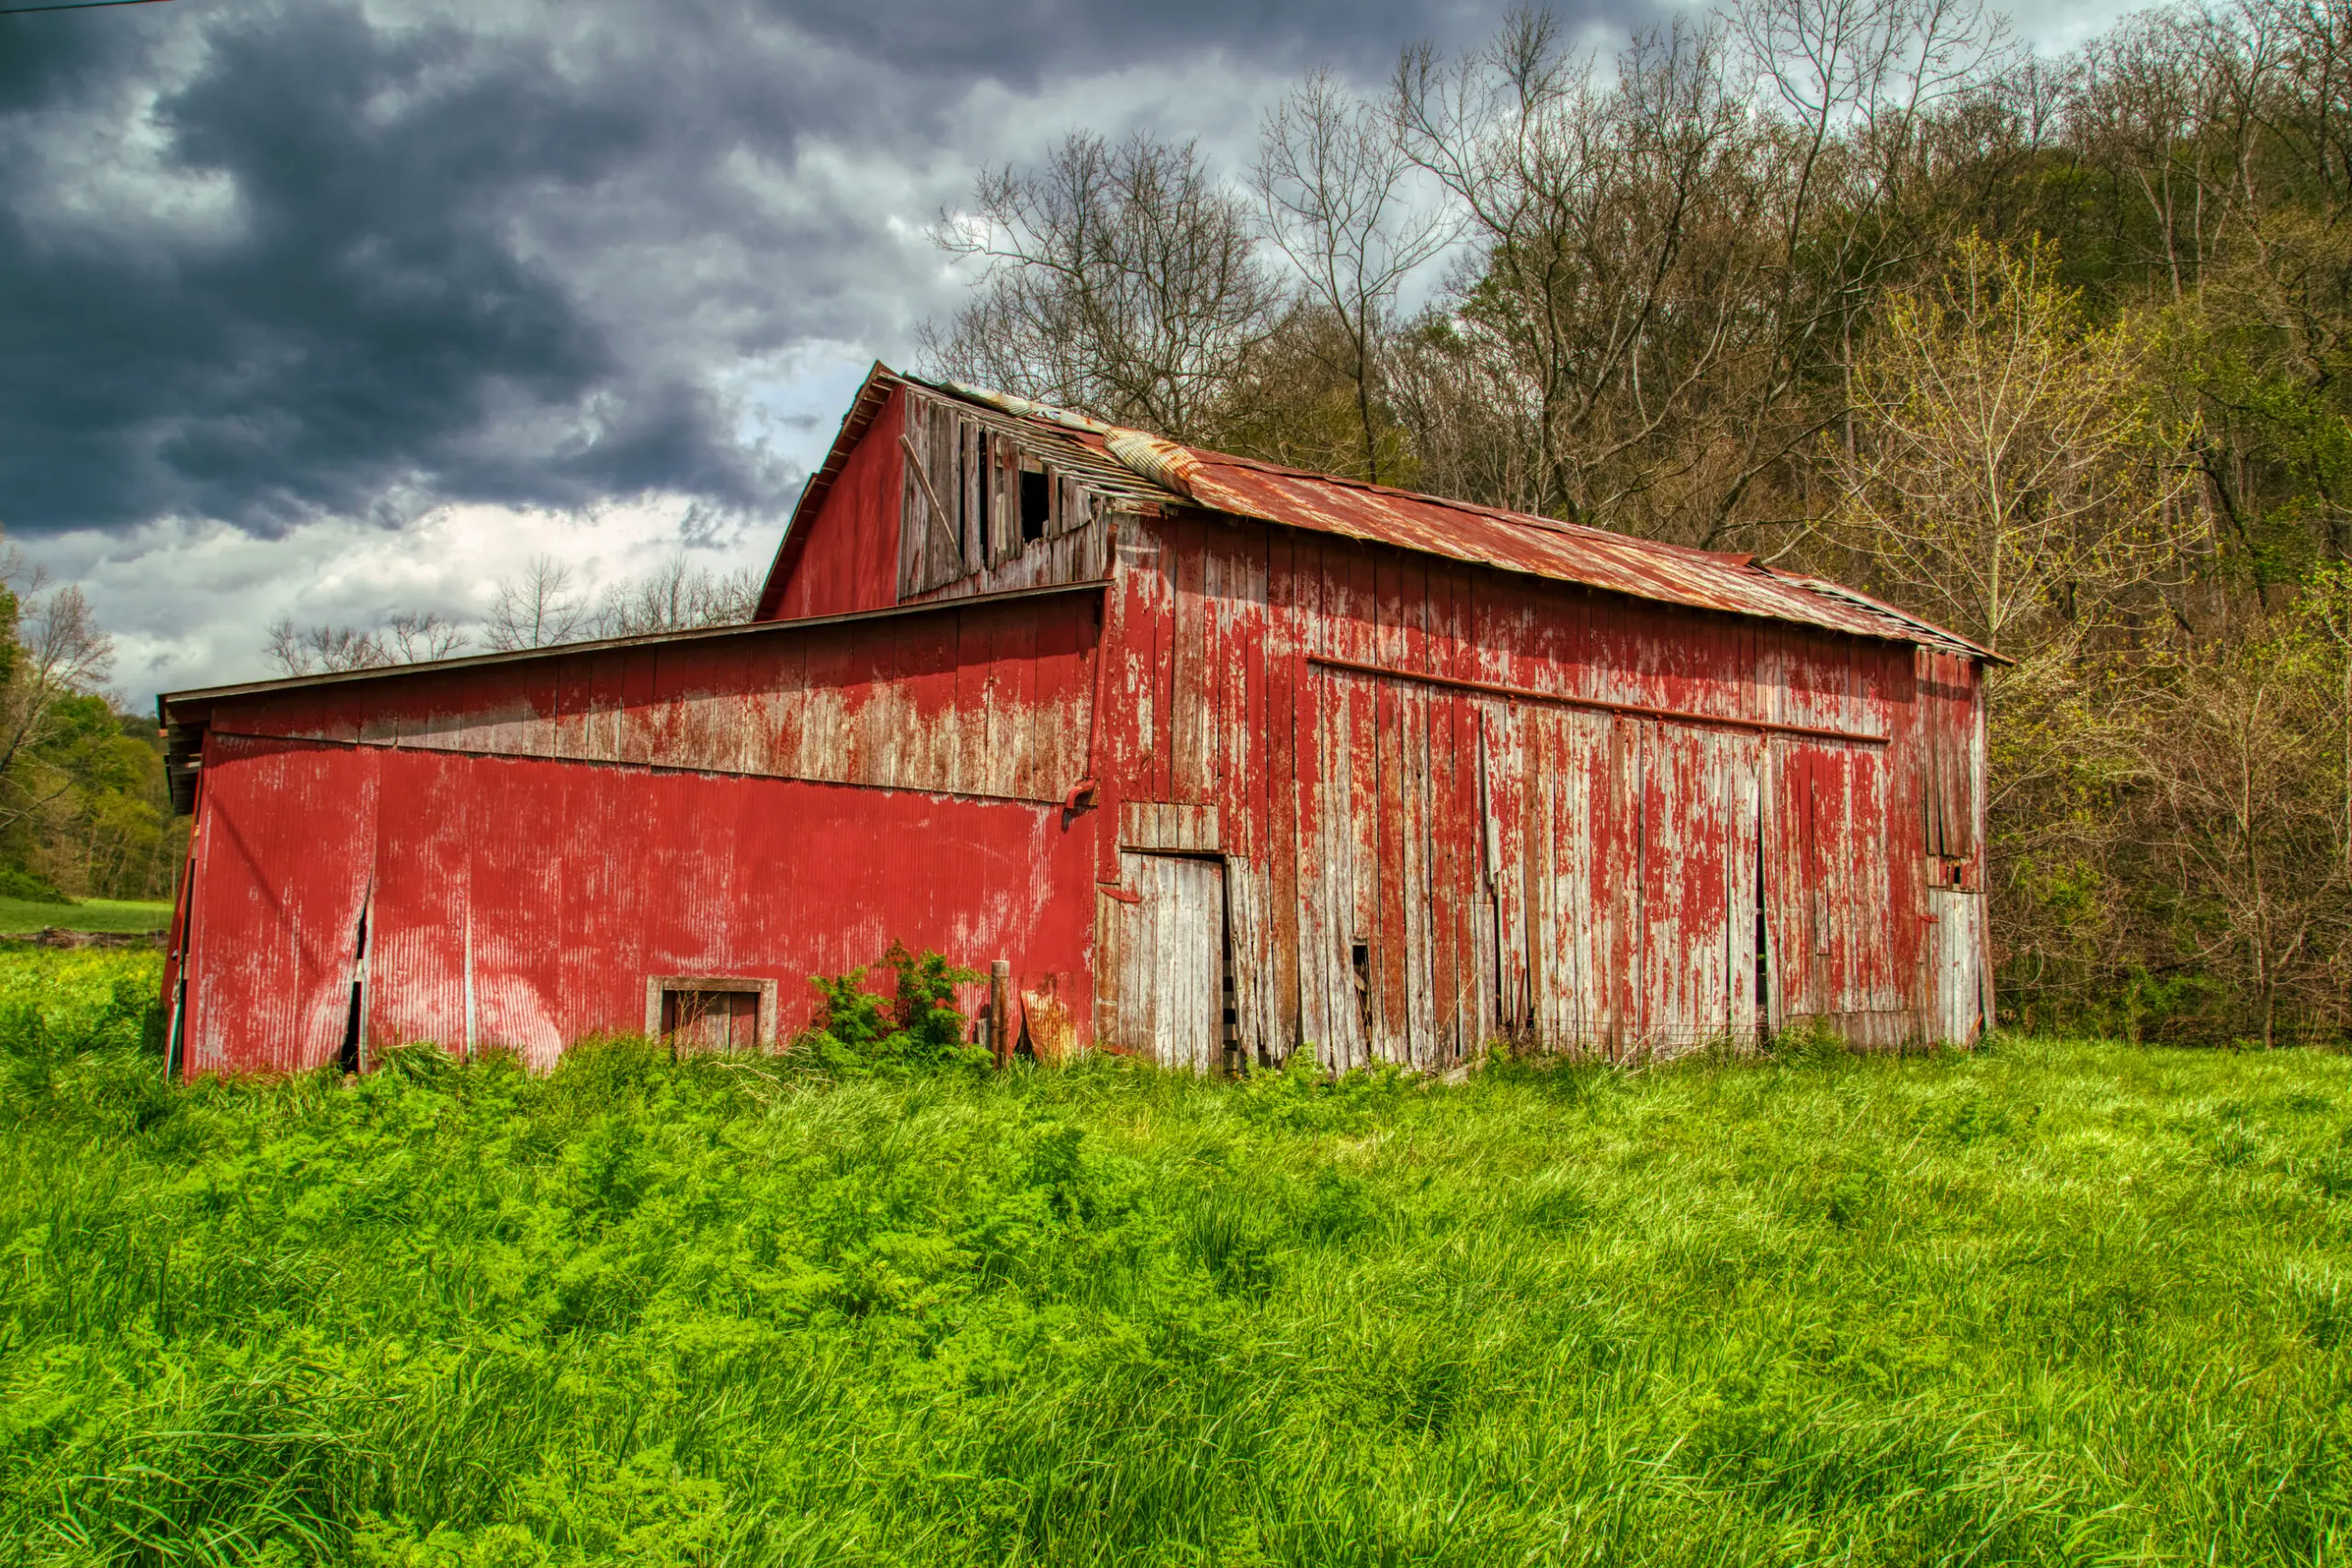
1594,705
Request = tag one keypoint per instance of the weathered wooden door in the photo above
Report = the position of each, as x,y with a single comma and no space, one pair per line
1956,965
1168,949
1625,894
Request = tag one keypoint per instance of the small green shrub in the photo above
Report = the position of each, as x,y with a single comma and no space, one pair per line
1808,1042
917,1029
18,883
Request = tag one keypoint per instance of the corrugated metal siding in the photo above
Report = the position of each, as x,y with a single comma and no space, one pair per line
284,862
847,556
523,902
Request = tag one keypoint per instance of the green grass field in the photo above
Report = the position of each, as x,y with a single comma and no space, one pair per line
85,915
2054,1302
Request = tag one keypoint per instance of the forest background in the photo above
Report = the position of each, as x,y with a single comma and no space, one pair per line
2051,350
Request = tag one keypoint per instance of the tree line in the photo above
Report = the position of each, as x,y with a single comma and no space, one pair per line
83,810
2050,350
541,606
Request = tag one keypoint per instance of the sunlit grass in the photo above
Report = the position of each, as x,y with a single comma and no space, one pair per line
2059,1301
85,915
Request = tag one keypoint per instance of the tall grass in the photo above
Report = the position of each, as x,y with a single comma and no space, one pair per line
2055,1302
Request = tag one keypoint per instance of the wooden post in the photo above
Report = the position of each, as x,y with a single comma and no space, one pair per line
1000,1010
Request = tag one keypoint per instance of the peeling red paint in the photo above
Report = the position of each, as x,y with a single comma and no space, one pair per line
1277,760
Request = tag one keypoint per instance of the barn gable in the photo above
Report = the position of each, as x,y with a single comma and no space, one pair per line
926,494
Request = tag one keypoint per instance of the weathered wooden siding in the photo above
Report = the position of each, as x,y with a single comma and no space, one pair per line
523,902
1161,950
1422,851
960,516
978,699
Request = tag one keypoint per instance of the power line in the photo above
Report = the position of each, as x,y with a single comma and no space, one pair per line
73,5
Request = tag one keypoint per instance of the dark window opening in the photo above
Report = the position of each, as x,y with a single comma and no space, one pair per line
348,1057
1037,504
963,489
1763,957
710,1021
1359,957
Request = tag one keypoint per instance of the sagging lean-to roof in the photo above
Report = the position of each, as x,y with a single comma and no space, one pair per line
1162,473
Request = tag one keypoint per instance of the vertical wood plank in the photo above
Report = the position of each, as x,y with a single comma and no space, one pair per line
1310,752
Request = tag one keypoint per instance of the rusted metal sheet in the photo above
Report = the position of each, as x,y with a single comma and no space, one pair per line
1047,1024
1510,541
523,902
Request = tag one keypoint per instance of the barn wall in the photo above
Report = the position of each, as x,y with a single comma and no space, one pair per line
525,902
849,559
980,699
1412,866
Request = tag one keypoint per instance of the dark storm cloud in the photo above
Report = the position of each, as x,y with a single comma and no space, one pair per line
1027,44
266,263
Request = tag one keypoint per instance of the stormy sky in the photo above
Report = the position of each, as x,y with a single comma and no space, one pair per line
332,309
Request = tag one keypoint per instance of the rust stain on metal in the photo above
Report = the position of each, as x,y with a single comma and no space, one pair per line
1051,1036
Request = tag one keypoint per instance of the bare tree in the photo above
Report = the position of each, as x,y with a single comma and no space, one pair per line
1120,279
408,638
2010,476
1329,178
2241,760
412,637
538,608
1861,77
1620,234
675,596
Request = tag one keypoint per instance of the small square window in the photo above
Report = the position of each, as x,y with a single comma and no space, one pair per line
698,1012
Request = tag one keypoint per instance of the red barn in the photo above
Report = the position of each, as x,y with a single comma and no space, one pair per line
1223,758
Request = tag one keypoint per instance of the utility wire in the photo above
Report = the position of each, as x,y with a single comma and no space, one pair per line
73,5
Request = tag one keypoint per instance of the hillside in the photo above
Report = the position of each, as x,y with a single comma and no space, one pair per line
2059,1301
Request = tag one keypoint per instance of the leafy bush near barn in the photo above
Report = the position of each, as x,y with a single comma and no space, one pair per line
917,1029
2058,1302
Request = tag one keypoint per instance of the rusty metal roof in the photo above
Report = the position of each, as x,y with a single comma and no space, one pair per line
1486,536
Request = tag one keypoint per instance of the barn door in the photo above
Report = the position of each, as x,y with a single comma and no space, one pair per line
1169,946
1956,963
